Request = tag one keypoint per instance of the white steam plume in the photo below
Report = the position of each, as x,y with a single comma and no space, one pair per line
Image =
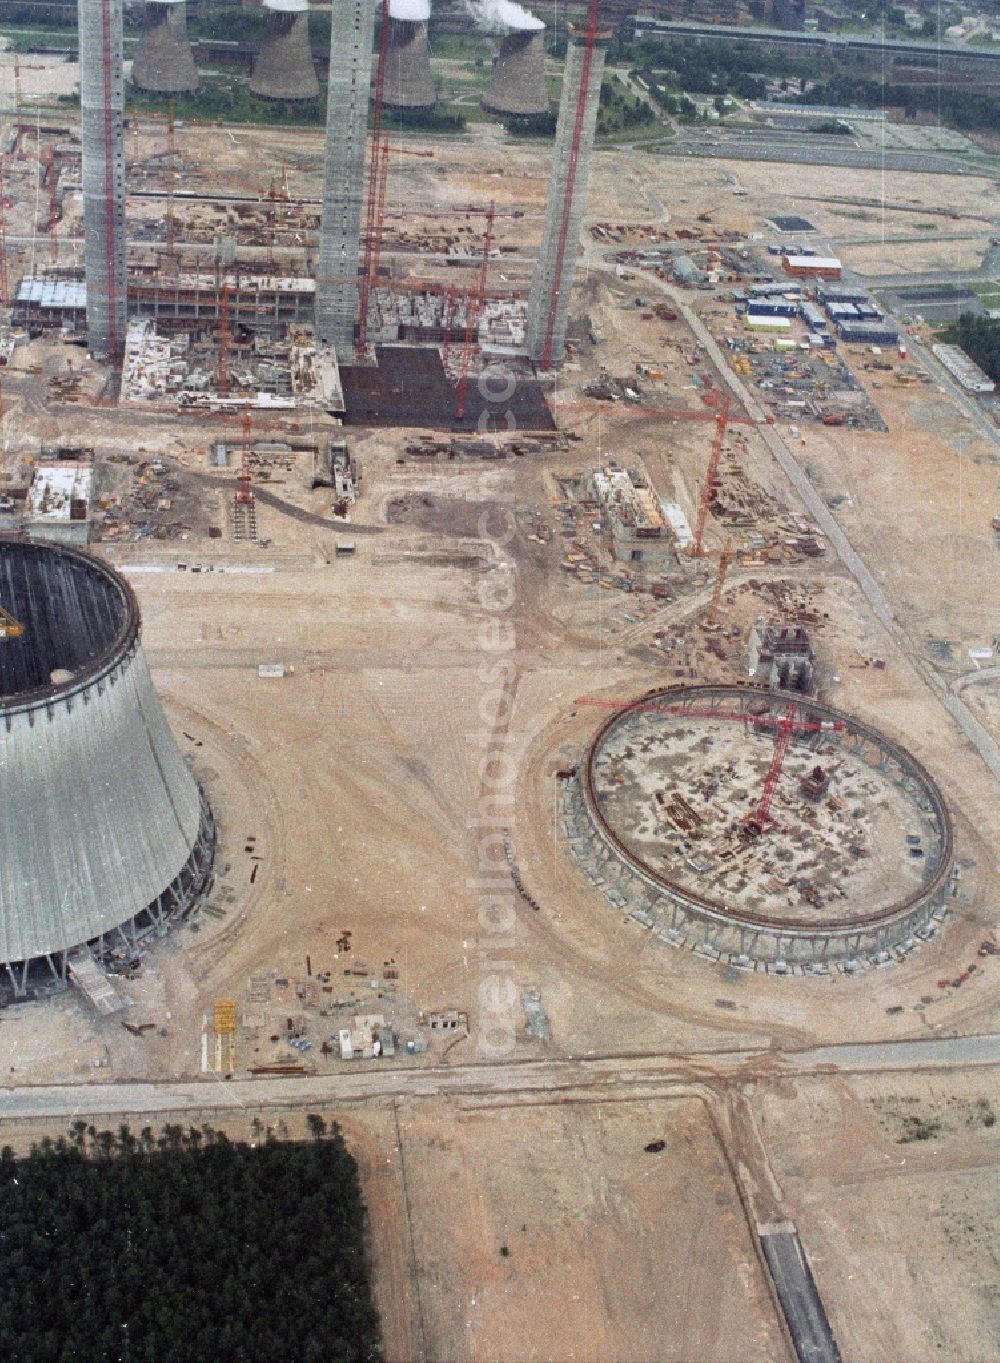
412,11
502,15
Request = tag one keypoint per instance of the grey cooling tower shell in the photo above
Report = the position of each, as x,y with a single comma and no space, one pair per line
284,67
163,62
104,834
409,83
517,85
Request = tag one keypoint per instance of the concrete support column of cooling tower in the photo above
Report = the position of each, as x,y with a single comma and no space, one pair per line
352,28
517,85
163,62
409,83
284,66
100,26
552,281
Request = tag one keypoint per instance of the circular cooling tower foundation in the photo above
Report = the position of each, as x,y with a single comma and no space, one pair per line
852,867
104,833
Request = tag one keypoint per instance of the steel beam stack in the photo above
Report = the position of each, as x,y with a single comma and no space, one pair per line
100,37
284,66
552,282
351,35
163,62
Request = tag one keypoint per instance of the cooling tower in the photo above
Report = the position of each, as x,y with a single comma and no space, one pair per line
517,85
104,834
408,80
284,66
163,61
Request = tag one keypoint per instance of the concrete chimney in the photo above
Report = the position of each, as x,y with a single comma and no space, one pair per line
351,30
409,83
284,66
517,85
163,62
552,281
101,101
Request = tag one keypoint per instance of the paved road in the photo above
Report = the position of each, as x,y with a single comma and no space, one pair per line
800,1302
568,1076
812,150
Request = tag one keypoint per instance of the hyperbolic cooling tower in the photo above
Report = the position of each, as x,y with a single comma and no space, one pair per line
284,66
408,80
517,85
163,61
104,833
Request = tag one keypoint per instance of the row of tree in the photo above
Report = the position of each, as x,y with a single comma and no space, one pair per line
957,108
184,1248
618,109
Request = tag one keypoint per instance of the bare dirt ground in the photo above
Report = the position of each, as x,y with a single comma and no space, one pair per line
354,785
519,1220
895,1188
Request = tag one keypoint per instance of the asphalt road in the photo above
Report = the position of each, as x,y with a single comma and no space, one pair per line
813,149
504,1079
800,1302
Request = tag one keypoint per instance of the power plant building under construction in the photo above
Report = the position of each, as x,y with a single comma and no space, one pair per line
105,834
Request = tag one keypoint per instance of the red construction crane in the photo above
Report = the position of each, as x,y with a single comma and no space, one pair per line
271,195
383,177
785,726
4,283
52,174
473,306
244,489
711,475
725,558
224,337
374,205
449,308
782,739
574,156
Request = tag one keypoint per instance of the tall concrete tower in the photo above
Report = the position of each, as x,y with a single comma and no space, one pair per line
352,28
409,83
163,62
100,37
517,85
284,66
552,282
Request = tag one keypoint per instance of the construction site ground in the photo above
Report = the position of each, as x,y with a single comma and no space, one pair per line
350,795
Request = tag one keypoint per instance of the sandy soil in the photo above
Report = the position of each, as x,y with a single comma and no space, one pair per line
360,778
519,1220
901,1230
